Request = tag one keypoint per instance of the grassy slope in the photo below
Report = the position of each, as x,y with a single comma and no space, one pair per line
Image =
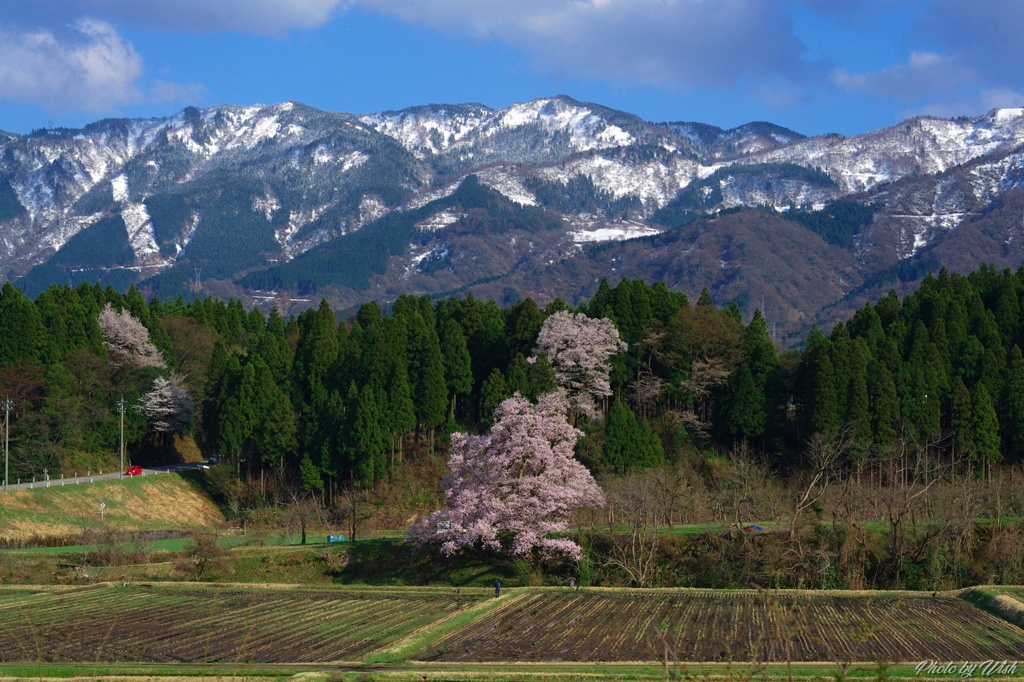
166,502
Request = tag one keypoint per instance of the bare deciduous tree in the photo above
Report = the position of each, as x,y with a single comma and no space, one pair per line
638,500
705,375
825,453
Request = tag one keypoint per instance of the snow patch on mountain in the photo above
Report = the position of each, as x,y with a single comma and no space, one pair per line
264,129
439,220
592,229
917,146
372,208
140,231
58,232
267,204
424,198
136,218
509,184
297,220
434,129
586,129
654,182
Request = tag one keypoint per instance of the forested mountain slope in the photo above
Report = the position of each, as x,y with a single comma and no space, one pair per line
284,204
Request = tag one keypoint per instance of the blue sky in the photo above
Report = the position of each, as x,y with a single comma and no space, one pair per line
815,66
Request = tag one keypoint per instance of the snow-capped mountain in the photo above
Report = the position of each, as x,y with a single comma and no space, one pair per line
239,200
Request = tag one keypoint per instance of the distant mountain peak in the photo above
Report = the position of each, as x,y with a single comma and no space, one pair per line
240,191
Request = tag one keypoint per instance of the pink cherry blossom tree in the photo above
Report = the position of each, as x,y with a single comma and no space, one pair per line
579,349
510,489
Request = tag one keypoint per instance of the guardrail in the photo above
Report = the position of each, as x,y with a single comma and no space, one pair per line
75,479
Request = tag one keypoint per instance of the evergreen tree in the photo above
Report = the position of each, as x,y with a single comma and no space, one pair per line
758,350
825,408
665,303
401,413
858,399
370,442
493,392
629,444
22,335
985,427
620,437
431,392
745,414
522,324
458,371
315,353
961,419
274,431
518,377
237,416
1013,405
704,300
310,477
272,346
541,376
651,449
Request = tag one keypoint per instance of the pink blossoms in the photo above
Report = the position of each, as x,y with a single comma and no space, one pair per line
519,483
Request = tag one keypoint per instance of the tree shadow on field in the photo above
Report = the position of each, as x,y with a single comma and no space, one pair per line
388,561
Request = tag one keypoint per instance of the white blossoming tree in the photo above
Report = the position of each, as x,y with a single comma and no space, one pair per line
167,406
579,349
127,340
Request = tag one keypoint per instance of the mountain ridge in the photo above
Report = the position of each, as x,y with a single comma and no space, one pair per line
228,192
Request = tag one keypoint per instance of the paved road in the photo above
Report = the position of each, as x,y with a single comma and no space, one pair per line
79,480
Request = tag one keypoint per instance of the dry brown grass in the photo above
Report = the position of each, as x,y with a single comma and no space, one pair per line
165,502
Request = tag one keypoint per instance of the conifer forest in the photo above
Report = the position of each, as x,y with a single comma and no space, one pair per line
681,410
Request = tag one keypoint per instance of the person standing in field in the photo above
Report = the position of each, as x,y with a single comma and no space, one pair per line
497,588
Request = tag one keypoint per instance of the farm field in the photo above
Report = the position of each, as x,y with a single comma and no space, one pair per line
705,625
185,623
248,625
9,594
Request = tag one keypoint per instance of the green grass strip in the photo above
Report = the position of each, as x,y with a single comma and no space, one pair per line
420,641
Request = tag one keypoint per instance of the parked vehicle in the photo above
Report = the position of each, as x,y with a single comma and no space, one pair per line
135,470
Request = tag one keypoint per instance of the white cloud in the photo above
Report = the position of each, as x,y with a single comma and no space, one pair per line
256,16
972,105
675,43
89,68
924,74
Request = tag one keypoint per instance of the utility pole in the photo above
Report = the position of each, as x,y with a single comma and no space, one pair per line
7,439
120,410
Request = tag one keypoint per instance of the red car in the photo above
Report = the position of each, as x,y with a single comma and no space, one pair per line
133,471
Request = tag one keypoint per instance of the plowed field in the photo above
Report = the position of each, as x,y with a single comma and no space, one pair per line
740,626
208,624
278,624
